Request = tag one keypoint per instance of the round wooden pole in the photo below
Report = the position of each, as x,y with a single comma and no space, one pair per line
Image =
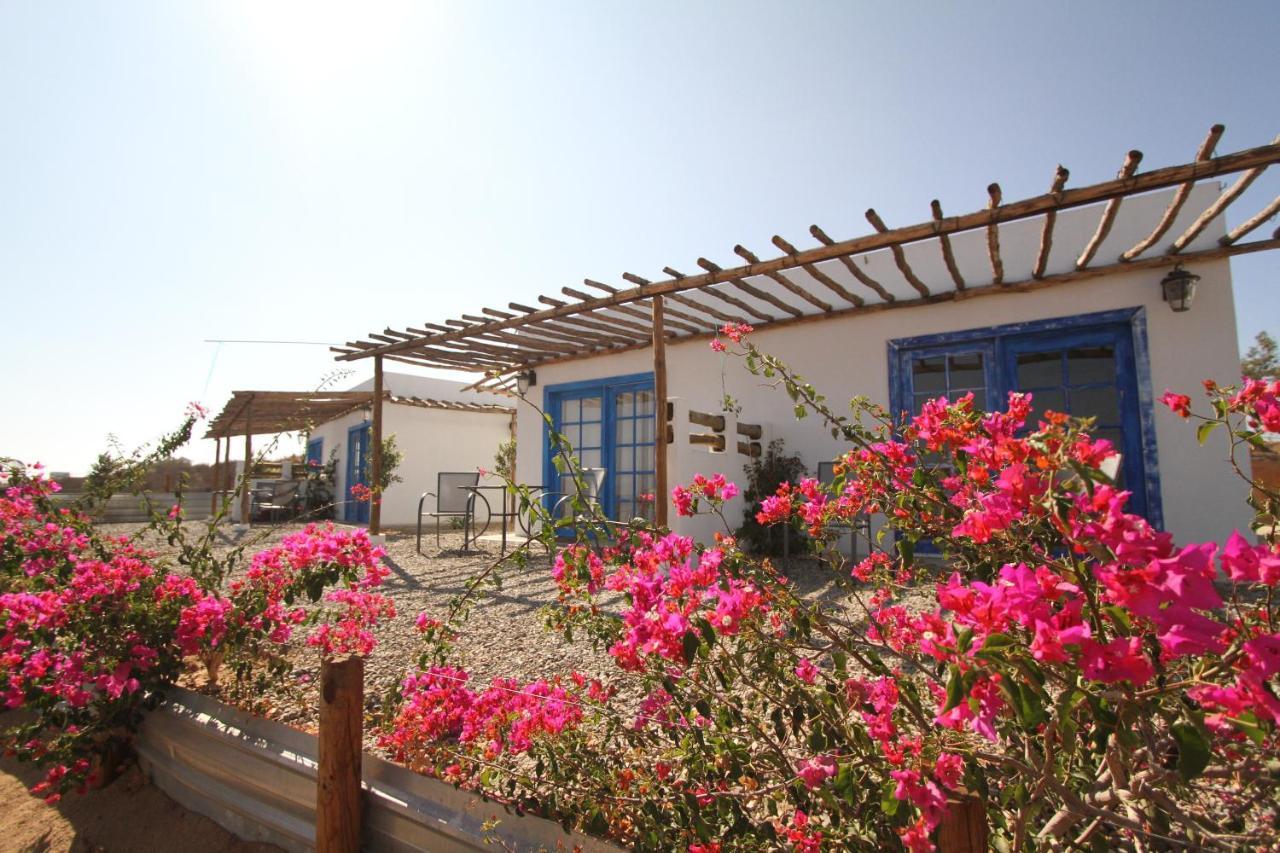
338,803
661,498
213,477
964,828
245,493
375,504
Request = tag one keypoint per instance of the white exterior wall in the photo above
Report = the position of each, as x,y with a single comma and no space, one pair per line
432,440
848,356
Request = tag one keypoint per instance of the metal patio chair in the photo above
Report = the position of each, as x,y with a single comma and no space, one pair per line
277,497
861,524
594,482
455,498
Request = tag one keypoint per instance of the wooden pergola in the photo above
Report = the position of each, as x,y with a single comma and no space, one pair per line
829,279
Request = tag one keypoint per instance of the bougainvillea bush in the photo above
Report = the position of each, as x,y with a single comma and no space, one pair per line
1081,677
92,628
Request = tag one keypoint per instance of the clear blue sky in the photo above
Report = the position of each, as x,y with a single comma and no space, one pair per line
171,172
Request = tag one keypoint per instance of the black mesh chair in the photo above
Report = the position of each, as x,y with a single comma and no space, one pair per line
593,481
456,497
279,498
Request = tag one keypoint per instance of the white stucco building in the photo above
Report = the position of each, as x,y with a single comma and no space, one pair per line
1059,295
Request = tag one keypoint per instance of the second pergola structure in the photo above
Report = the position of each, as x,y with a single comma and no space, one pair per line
250,413
829,280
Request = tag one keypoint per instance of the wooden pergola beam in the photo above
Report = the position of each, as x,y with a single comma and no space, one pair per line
944,242
994,196
1219,205
1251,223
1131,161
818,275
752,290
899,257
1203,153
750,257
852,266
1050,219
1104,191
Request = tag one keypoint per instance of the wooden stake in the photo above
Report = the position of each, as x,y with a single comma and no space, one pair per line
964,827
375,502
338,803
660,498
245,492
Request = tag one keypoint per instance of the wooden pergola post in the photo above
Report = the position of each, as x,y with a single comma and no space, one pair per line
245,495
375,503
213,476
660,497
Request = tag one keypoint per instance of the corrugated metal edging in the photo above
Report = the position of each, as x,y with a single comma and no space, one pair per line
257,779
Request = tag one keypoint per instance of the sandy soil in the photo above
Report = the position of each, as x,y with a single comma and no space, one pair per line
126,816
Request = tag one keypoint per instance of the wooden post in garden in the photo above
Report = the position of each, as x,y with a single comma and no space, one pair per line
248,464
213,477
375,502
338,803
964,828
660,497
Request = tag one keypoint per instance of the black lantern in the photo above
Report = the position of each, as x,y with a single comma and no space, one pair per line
525,380
1179,288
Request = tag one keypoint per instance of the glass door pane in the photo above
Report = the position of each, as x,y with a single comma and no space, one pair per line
633,470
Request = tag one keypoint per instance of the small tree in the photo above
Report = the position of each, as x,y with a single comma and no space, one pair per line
764,476
1262,361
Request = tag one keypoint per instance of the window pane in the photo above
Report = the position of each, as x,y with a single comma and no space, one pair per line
967,371
591,435
626,431
1042,401
591,409
929,375
1090,365
626,511
573,435
624,486
644,430
1100,403
920,400
626,405
625,459
644,402
645,484
590,458
979,401
644,458
1039,370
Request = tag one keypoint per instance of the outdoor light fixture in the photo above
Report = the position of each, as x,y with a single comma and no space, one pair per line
525,380
1179,288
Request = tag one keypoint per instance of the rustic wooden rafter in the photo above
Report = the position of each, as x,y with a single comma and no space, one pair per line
899,256
944,243
1050,219
1204,152
1251,223
1131,161
598,323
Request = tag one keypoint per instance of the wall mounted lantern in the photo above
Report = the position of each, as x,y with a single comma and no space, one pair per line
1179,288
525,380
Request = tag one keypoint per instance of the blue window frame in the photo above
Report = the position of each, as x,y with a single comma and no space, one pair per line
611,424
1091,365
315,451
356,511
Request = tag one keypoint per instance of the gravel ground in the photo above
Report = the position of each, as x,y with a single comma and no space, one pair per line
504,636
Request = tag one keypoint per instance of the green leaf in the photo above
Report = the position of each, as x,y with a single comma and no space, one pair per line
907,550
690,645
888,802
955,688
1193,750
1202,431
1247,723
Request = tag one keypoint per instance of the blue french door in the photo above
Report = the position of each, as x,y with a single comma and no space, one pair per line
356,511
315,451
610,424
1087,366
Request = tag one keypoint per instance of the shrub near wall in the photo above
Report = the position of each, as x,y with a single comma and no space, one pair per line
1077,674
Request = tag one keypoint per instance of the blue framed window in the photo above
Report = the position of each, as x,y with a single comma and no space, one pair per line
611,424
356,511
1091,365
315,451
